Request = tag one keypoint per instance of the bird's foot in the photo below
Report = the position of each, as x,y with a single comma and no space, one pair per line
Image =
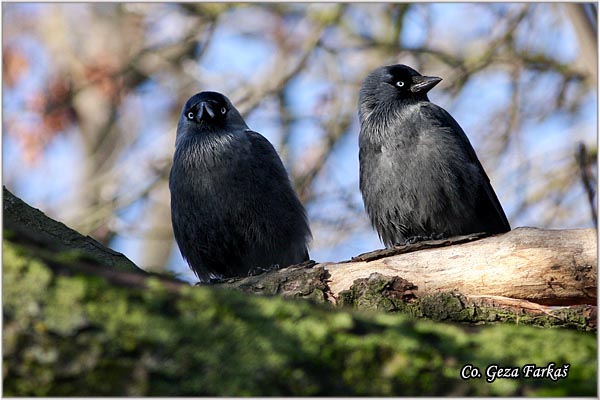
420,238
415,239
260,270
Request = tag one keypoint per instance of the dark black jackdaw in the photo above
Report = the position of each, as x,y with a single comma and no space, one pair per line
419,175
232,205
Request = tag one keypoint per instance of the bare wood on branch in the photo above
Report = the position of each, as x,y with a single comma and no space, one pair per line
552,267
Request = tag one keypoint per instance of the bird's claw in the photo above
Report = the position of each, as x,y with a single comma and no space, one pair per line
420,238
415,239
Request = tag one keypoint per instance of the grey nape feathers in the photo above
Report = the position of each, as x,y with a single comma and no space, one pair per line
232,205
419,175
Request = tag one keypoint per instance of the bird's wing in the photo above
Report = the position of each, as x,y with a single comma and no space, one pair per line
261,145
441,115
273,166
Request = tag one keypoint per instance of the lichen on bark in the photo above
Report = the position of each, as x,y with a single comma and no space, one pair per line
395,294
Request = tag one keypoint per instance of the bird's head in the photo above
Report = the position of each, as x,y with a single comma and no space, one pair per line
390,84
206,112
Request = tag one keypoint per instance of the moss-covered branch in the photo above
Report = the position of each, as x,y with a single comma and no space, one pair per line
82,320
394,294
23,223
80,335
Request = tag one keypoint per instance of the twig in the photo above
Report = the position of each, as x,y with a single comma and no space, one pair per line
587,180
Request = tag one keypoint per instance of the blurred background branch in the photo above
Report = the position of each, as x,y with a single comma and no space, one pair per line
92,93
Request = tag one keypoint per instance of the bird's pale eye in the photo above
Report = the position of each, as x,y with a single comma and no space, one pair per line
190,115
223,110
399,83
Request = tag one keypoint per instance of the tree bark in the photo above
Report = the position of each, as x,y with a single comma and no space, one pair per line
551,267
394,294
546,267
518,277
29,225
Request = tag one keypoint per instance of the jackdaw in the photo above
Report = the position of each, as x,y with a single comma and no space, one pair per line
419,175
233,208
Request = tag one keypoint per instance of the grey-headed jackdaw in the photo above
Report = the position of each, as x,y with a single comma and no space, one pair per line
419,175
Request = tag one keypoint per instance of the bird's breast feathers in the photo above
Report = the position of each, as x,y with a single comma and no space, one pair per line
209,152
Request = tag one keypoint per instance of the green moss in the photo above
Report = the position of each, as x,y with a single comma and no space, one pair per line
25,283
63,311
441,306
80,336
395,295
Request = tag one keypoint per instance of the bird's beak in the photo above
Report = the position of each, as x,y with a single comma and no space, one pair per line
424,83
204,107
